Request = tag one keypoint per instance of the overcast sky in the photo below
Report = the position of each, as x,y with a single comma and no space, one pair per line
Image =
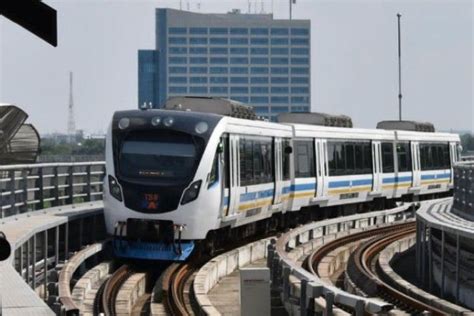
353,48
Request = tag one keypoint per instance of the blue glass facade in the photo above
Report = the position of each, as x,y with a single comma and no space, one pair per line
265,64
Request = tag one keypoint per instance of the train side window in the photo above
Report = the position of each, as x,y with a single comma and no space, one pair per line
387,158
331,158
285,159
404,157
304,159
225,142
368,158
359,158
350,161
339,153
256,161
246,161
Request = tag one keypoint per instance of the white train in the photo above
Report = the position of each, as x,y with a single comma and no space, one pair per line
177,179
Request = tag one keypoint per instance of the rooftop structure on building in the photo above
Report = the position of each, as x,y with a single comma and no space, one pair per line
251,58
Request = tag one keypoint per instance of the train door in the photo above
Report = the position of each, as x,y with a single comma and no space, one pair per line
234,184
321,167
415,153
277,156
377,166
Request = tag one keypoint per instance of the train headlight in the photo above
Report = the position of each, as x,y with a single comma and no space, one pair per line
201,127
114,188
191,193
168,121
156,121
124,123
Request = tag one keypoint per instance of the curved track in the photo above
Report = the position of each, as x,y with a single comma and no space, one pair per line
174,284
111,288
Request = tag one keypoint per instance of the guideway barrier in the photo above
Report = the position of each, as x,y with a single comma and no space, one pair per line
47,211
301,290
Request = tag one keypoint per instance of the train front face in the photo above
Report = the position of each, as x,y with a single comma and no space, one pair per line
157,196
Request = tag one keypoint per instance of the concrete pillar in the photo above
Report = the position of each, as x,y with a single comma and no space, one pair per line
28,261
33,265
424,252
45,266
22,263
66,241
56,246
430,259
442,263
458,254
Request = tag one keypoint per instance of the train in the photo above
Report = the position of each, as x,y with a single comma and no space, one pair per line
202,172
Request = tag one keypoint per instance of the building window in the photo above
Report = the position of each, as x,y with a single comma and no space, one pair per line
280,41
239,41
299,41
198,40
198,30
177,70
239,60
219,50
299,31
219,80
198,80
219,40
263,100
259,31
198,50
239,31
198,89
219,30
259,90
299,90
259,80
278,80
304,158
279,90
259,61
259,51
219,90
198,70
279,61
239,50
239,80
261,109
279,70
258,70
177,30
219,60
198,60
177,60
300,71
242,99
304,100
177,40
239,70
299,80
300,61
178,80
304,109
178,89
279,31
218,70
279,50
279,99
178,50
300,51
239,90
259,41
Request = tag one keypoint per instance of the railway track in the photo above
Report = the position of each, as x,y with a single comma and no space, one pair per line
177,288
107,294
363,268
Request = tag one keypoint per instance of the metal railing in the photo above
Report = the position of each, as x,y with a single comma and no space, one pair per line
25,188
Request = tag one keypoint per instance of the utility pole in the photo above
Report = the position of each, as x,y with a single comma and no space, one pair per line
291,3
399,71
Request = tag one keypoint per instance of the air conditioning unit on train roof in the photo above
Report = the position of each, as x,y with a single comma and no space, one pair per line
407,126
221,106
315,118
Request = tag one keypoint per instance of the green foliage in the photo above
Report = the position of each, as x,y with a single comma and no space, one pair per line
467,142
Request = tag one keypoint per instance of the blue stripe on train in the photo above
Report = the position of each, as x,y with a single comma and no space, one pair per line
397,179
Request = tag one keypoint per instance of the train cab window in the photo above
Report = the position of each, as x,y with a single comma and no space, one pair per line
304,159
256,160
285,159
387,158
404,157
214,174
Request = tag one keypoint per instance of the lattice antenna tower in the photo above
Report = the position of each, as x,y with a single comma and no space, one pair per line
71,124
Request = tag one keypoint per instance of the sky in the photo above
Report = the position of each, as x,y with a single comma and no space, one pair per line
354,69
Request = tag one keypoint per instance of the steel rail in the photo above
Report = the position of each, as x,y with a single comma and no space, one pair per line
112,287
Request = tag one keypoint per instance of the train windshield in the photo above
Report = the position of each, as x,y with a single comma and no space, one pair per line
162,156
